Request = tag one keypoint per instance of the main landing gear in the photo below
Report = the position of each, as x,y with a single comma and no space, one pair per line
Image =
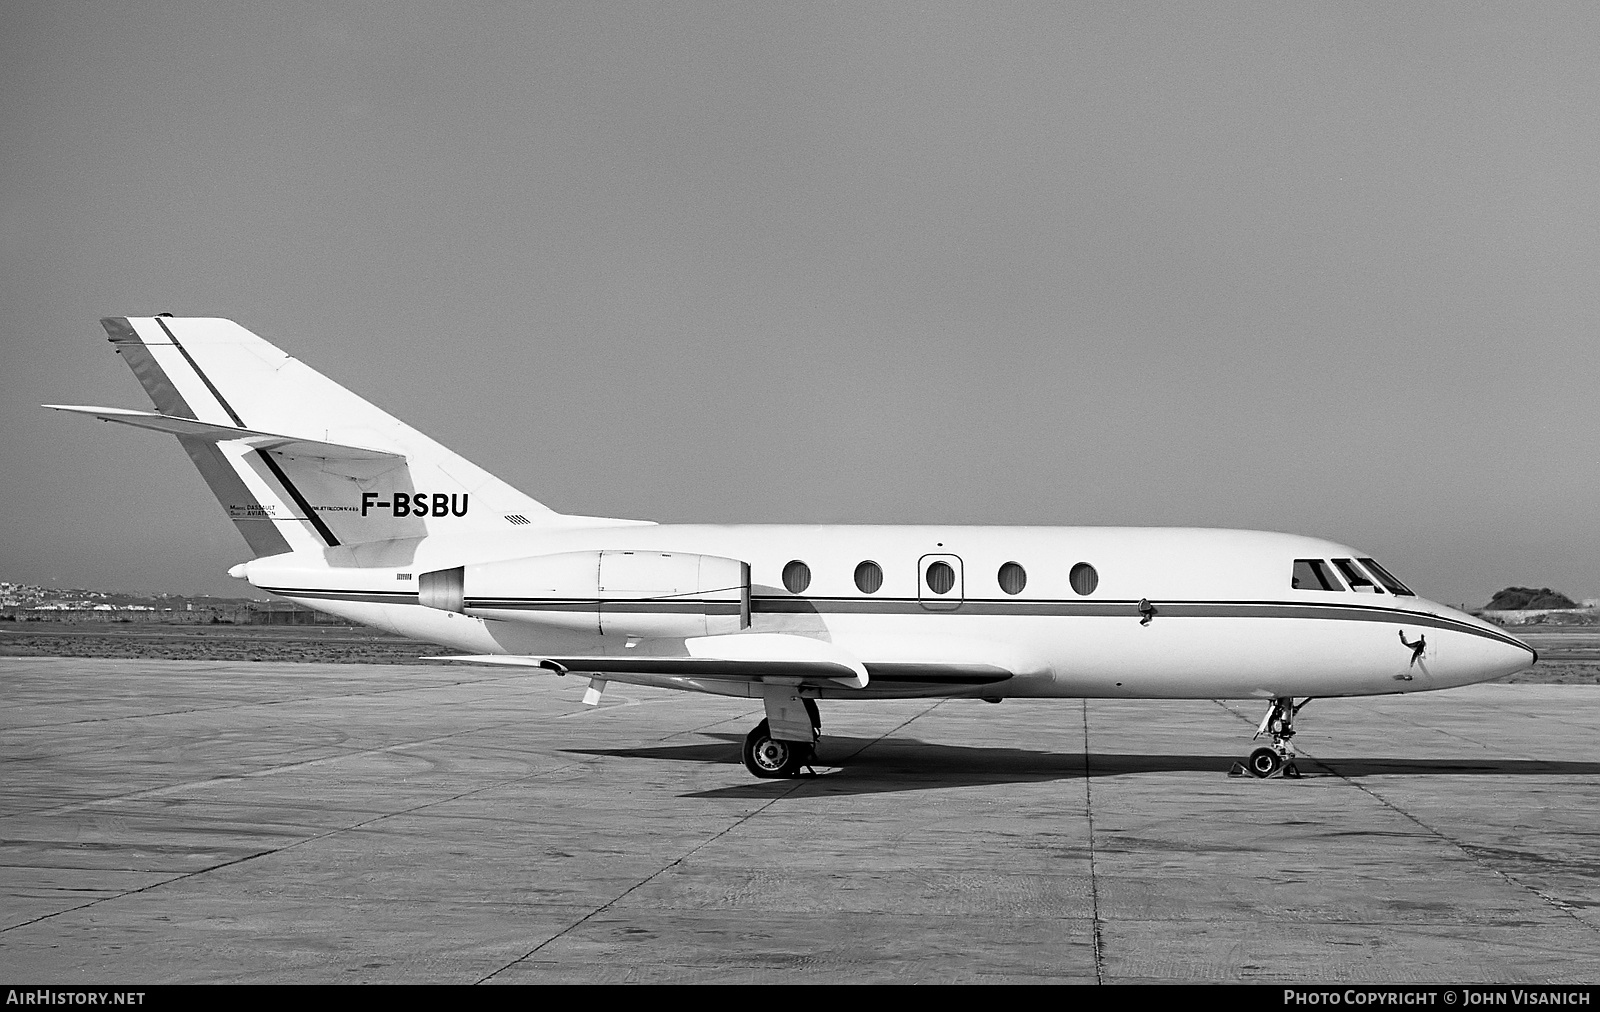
1276,760
770,757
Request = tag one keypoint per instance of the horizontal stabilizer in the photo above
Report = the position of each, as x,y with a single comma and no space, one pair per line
292,445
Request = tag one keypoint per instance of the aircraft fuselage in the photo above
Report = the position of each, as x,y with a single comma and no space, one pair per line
1170,612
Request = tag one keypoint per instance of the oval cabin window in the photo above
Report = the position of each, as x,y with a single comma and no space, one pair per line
941,578
797,577
1013,578
869,577
1084,579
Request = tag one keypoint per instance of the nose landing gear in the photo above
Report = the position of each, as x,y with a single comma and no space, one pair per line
1276,760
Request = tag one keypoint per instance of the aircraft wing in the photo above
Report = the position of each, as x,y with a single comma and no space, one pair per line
293,445
740,657
806,672
752,657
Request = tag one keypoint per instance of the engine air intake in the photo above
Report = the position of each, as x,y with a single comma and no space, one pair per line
442,588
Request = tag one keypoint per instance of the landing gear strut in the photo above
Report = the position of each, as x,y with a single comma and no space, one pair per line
1276,760
771,758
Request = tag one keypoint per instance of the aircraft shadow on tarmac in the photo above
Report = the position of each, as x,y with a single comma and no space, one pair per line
867,766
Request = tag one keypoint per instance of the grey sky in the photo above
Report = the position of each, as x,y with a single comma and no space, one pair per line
1332,269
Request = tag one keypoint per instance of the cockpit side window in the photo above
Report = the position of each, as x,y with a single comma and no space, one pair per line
1390,584
1355,577
1313,574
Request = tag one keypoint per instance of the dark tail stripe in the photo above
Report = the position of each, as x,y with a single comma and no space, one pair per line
198,372
308,514
163,394
261,535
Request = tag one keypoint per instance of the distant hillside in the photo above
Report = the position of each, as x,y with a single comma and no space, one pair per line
1527,599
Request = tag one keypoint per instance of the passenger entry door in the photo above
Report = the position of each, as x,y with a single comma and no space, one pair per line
940,582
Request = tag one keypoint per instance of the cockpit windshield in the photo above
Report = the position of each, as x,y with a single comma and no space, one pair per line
1314,574
1390,584
1355,577
1319,574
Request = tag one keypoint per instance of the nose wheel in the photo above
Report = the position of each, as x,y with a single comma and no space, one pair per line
1277,759
1264,762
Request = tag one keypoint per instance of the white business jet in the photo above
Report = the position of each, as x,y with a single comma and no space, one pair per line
350,511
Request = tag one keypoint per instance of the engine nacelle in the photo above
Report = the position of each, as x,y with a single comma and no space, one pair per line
617,593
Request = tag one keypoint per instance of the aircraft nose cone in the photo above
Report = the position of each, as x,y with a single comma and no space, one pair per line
1477,651
1501,657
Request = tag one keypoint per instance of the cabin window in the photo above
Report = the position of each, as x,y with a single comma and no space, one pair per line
1392,585
1084,579
1355,577
869,577
941,578
1013,578
1313,574
797,577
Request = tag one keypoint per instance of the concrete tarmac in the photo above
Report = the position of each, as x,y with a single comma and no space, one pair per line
168,822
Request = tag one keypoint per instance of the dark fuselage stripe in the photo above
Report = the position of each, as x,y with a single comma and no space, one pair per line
1121,609
355,596
675,607
911,606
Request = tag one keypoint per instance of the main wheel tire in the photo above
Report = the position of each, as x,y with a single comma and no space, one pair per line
771,759
1264,762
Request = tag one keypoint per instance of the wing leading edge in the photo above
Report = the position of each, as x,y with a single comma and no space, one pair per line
820,674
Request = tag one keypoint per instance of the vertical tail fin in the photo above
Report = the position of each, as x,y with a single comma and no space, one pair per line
298,462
